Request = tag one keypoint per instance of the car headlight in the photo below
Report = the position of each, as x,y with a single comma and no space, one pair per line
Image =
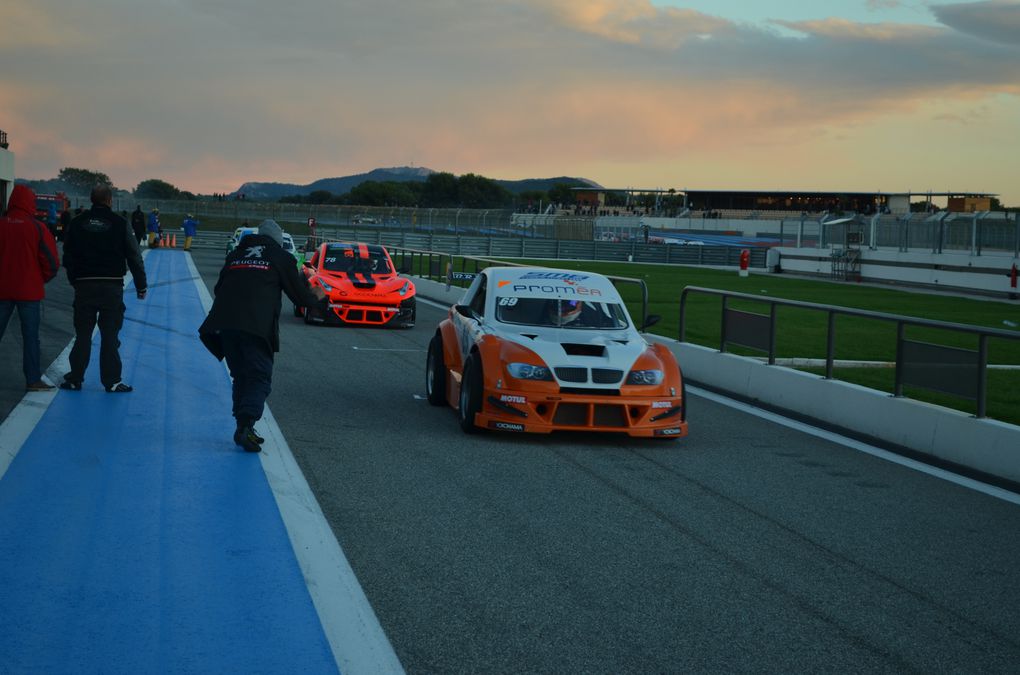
405,288
644,377
528,371
324,285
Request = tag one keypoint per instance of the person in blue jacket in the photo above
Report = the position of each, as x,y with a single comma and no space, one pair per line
153,227
190,228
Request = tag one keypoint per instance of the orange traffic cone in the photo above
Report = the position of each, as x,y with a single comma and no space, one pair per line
173,241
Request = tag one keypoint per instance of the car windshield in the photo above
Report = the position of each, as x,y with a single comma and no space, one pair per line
347,260
557,313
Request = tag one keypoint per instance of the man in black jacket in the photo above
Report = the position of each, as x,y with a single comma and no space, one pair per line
243,325
99,248
138,224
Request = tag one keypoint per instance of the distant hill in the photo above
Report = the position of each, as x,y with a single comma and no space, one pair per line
542,184
344,184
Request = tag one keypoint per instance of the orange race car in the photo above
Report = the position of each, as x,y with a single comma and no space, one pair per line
362,287
538,350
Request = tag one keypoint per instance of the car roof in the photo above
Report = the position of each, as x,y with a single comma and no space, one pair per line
345,245
548,282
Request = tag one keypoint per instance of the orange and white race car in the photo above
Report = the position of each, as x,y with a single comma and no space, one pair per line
362,287
536,349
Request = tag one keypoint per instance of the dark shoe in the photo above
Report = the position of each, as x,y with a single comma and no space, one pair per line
70,385
39,386
119,388
247,439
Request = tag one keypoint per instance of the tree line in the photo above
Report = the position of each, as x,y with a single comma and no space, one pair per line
438,190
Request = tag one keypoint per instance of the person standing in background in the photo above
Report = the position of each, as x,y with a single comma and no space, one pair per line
154,228
28,259
52,218
190,229
65,221
138,224
99,248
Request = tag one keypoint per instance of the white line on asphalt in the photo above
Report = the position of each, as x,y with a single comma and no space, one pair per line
15,430
433,303
936,472
381,349
357,639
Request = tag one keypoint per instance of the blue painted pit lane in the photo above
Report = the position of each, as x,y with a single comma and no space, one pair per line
134,535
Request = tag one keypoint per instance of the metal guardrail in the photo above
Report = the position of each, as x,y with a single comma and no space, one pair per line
440,266
507,247
949,370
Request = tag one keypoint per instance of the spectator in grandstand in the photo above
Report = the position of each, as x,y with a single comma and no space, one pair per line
28,259
138,224
243,325
190,229
99,248
154,228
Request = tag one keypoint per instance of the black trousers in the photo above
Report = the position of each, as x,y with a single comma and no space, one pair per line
250,361
99,302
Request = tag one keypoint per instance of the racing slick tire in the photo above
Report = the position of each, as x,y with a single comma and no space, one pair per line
409,322
308,315
298,312
435,372
470,395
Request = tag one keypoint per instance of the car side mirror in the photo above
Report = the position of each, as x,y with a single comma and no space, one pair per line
308,264
650,321
464,311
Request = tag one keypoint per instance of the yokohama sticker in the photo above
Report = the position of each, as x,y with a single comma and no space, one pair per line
506,426
667,432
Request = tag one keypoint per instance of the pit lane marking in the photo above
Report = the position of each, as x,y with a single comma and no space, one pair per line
383,349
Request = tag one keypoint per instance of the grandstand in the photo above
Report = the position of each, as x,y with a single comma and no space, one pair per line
764,204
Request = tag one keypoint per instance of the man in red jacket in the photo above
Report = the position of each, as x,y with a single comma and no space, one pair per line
28,259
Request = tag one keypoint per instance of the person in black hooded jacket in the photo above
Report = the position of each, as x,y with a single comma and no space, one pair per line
243,325
99,248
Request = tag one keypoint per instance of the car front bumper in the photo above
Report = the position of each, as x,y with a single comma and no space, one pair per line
640,416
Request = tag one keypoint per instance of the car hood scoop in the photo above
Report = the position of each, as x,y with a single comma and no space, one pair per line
587,349
590,349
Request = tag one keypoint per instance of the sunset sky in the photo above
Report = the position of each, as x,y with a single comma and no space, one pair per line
724,94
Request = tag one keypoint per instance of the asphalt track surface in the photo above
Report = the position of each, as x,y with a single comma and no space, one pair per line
748,546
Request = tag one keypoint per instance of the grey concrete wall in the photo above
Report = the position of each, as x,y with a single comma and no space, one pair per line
986,273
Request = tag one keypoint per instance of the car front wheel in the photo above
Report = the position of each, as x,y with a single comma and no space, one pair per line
470,394
435,372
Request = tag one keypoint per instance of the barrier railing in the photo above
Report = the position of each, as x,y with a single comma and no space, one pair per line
440,266
933,367
515,247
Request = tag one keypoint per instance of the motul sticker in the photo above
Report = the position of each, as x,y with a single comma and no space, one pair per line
662,404
510,398
506,426
667,432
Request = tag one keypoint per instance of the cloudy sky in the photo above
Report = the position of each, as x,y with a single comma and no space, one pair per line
799,94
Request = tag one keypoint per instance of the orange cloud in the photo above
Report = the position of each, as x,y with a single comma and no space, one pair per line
841,29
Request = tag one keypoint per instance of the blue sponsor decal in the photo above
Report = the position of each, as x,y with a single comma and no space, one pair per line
555,276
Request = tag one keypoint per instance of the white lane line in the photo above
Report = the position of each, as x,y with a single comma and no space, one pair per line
433,303
357,639
382,349
936,472
18,426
